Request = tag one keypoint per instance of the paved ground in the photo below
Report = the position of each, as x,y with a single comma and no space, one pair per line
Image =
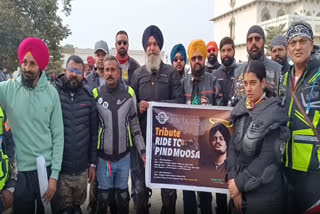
155,203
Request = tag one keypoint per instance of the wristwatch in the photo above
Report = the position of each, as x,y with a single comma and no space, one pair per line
93,165
10,189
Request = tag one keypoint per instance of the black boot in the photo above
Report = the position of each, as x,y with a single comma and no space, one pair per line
77,209
222,206
169,198
113,207
104,198
142,201
122,199
67,210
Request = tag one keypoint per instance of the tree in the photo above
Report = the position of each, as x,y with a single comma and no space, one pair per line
272,32
31,18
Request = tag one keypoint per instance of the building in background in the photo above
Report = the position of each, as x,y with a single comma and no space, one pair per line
234,17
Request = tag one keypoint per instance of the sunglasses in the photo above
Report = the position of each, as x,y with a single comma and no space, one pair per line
78,72
256,38
123,42
195,58
211,49
176,59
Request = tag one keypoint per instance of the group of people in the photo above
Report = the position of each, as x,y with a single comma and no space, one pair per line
90,125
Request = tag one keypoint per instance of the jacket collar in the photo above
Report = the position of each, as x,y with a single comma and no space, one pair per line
42,82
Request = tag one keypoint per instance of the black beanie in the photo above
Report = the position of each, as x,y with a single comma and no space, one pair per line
256,29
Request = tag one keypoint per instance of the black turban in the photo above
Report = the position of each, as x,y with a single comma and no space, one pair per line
154,31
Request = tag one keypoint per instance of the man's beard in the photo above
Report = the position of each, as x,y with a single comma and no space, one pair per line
281,61
212,59
73,85
153,62
218,153
28,78
227,61
122,52
257,54
197,71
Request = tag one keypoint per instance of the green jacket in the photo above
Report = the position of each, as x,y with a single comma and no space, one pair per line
35,118
302,151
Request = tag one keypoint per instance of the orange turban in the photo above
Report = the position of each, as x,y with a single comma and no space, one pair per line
200,46
212,44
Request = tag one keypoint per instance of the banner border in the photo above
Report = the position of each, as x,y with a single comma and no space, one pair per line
149,148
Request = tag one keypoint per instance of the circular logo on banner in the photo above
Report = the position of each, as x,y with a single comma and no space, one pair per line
105,105
162,117
204,100
100,100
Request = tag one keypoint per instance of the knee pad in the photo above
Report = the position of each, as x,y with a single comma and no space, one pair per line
122,195
104,198
122,199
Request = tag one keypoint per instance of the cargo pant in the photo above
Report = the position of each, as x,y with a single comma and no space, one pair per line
71,191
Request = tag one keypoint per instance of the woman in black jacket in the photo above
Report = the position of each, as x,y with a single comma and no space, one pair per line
254,157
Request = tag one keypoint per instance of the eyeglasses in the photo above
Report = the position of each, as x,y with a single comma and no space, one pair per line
78,72
176,59
195,58
213,49
123,42
256,38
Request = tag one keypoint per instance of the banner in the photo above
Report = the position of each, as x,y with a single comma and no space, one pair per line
187,147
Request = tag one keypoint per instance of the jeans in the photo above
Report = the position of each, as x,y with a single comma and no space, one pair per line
117,177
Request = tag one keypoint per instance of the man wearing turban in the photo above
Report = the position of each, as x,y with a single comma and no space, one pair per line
199,88
178,58
213,62
34,114
154,81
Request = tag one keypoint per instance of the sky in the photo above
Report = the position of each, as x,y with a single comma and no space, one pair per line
180,21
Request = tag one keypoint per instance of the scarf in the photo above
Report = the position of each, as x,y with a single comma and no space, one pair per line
251,106
122,60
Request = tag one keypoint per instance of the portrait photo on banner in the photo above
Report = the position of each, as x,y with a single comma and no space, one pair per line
187,147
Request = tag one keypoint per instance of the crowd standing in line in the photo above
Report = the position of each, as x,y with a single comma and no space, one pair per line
90,124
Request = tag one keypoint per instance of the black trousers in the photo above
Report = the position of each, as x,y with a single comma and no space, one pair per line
27,192
190,202
303,190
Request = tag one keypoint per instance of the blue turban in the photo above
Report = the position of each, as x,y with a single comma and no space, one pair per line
179,48
154,31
